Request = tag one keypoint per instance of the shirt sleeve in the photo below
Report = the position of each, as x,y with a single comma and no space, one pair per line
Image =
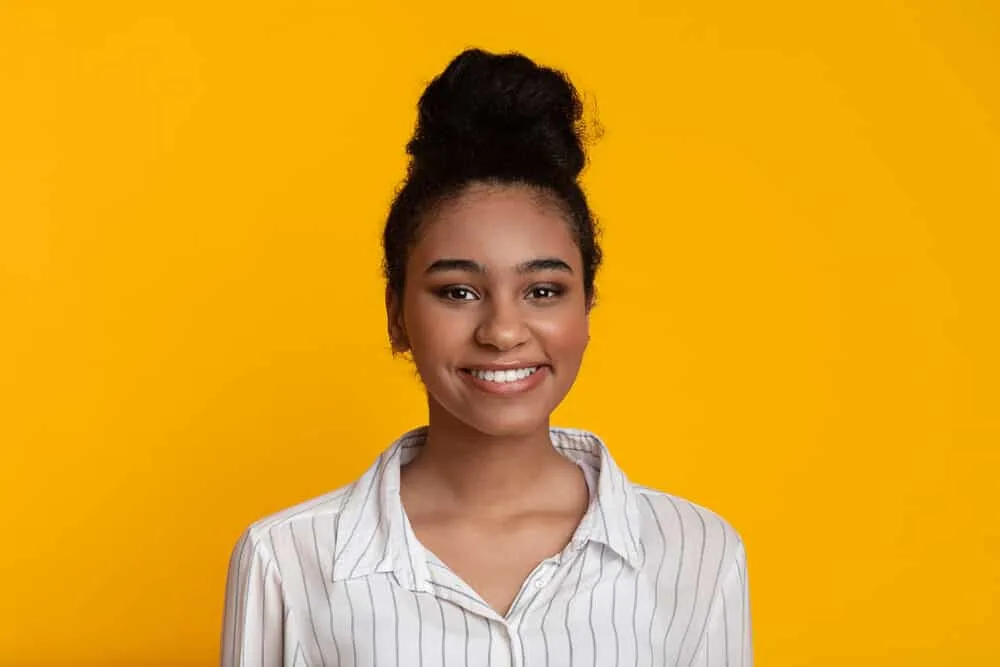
253,622
727,639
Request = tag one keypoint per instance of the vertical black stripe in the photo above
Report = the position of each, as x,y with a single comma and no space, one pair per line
743,617
395,616
524,656
237,576
305,594
489,650
600,577
715,584
590,616
697,586
725,627
352,616
541,625
635,603
420,631
545,639
371,600
465,620
326,591
656,582
677,577
576,589
614,604
263,615
444,633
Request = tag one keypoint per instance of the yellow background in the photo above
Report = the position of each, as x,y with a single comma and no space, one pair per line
798,322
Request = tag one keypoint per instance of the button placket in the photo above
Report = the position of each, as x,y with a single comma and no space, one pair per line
515,644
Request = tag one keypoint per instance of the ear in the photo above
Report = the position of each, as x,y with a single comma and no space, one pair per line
394,322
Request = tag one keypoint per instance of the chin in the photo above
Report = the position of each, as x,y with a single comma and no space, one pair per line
499,428
504,423
495,417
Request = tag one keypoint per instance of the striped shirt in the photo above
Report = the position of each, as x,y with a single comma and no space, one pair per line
648,579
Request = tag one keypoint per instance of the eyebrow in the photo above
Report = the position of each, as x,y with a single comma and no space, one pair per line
470,266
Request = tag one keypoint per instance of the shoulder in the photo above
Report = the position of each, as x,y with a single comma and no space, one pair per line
672,519
309,531
307,520
675,523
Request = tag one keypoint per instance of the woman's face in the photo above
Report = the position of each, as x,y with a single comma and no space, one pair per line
494,311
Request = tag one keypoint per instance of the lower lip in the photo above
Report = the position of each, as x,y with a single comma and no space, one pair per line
508,388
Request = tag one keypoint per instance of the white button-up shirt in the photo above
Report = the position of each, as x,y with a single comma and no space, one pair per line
648,579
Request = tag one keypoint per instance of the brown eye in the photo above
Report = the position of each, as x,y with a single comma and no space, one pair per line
456,293
545,292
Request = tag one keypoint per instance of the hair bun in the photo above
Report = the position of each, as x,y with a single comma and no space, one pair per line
498,115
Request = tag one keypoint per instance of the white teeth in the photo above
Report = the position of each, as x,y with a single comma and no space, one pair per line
502,377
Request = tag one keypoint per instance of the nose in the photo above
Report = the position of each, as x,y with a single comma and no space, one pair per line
502,326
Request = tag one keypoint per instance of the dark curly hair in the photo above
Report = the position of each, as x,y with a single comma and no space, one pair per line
500,119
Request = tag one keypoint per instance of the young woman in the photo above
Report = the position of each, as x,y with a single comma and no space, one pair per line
489,537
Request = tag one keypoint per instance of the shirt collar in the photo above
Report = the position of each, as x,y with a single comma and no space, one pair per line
373,534
613,516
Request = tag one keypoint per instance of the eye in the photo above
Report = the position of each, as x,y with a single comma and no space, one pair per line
544,292
456,293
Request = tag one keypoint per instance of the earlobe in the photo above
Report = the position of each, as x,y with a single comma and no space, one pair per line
397,332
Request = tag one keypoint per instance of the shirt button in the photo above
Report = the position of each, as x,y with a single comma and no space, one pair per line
540,583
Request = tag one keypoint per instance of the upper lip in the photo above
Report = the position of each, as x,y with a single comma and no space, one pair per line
506,366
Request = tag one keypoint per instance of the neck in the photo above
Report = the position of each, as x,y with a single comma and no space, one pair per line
460,469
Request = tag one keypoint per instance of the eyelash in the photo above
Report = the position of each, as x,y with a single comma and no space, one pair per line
554,289
447,293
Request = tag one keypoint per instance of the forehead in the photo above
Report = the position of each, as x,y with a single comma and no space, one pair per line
499,226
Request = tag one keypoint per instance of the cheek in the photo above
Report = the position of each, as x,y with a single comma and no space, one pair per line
432,331
566,334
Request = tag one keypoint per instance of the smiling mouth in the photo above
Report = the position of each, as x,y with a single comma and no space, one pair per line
502,376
